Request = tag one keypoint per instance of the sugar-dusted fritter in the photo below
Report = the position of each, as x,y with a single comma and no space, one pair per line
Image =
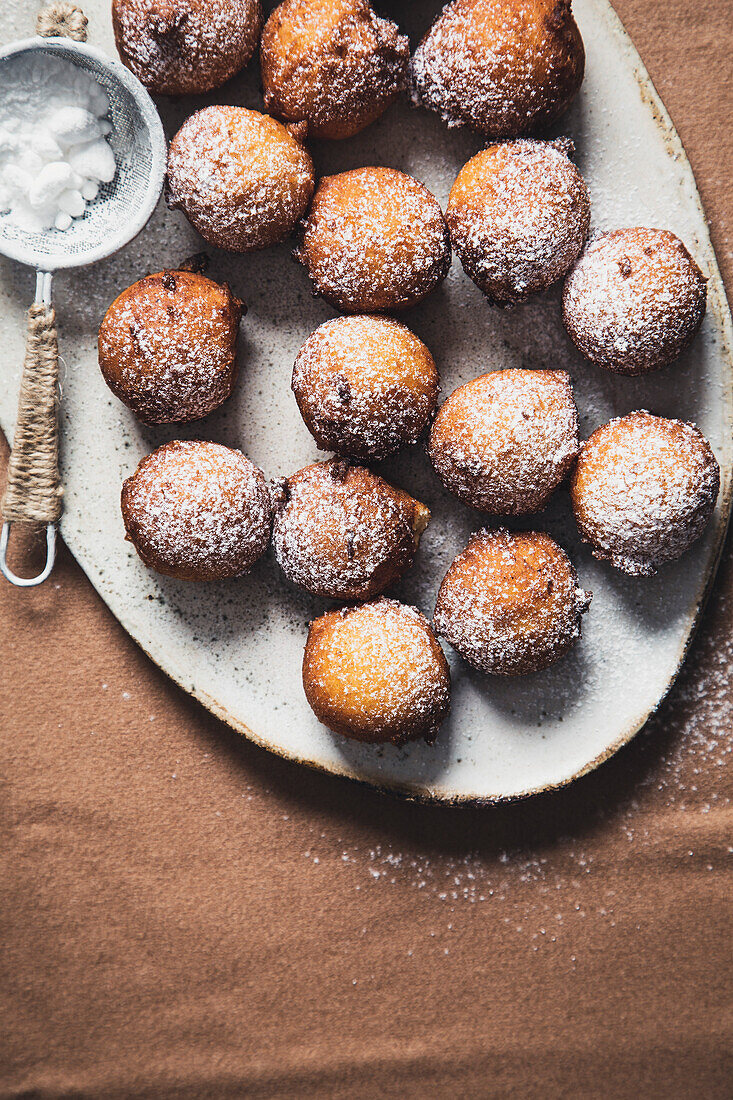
518,216
185,47
342,531
365,386
241,178
643,490
374,239
505,441
503,67
167,346
197,511
376,673
634,300
333,64
511,603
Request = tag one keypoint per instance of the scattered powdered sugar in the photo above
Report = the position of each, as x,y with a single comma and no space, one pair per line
643,490
197,510
239,177
336,66
510,603
634,300
342,531
538,877
504,442
181,48
502,68
555,875
167,346
365,385
374,239
518,216
700,709
378,671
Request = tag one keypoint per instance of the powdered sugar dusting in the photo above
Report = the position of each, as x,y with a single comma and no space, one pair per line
506,440
167,346
197,510
643,490
343,532
182,48
377,672
518,216
366,386
239,176
634,300
337,65
504,68
510,603
374,239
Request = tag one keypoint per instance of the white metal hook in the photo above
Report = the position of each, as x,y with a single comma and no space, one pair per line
27,582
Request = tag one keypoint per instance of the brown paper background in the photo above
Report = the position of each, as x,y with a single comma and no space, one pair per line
185,916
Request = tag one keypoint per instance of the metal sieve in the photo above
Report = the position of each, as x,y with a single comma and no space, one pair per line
120,211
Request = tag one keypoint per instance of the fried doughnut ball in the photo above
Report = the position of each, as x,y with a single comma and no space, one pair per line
634,300
503,67
510,603
376,673
240,177
343,532
185,47
365,386
167,346
197,511
374,239
333,64
518,216
505,441
643,490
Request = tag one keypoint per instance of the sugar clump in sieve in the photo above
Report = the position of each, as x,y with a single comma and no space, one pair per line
53,149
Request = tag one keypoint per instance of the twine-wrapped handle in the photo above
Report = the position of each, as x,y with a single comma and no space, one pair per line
33,490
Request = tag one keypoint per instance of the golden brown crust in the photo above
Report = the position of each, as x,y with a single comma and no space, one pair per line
374,239
167,346
504,67
239,176
510,603
331,63
643,490
505,441
518,216
634,300
365,386
376,673
342,531
197,511
185,47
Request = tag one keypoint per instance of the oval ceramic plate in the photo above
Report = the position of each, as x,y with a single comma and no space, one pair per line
237,646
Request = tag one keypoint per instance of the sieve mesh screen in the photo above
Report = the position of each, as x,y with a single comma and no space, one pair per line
116,213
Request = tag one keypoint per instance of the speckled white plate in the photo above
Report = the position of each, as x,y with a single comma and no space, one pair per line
237,646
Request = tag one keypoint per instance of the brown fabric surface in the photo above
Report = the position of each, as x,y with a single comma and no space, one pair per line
185,916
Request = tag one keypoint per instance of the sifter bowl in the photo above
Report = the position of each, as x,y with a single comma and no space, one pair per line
122,208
